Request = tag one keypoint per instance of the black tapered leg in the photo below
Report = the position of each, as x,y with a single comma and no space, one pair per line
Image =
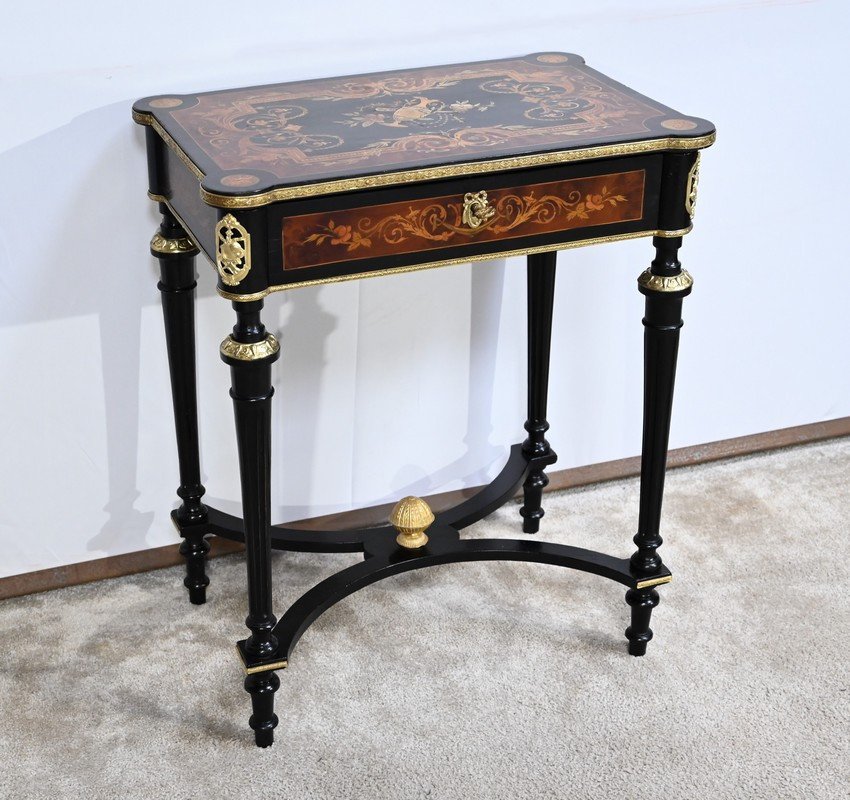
176,254
664,285
250,352
541,295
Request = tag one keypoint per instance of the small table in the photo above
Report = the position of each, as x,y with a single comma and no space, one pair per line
297,184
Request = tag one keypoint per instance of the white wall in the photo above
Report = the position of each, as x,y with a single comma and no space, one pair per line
410,383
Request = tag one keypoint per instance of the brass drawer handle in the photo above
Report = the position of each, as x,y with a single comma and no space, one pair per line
476,209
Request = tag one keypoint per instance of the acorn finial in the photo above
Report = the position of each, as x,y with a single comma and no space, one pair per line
411,517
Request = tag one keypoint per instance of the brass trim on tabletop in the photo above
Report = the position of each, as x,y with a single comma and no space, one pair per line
425,173
148,119
454,170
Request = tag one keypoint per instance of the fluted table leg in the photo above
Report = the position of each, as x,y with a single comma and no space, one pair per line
541,295
250,352
664,285
176,254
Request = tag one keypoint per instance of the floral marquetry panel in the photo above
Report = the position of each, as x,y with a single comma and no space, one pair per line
439,222
268,143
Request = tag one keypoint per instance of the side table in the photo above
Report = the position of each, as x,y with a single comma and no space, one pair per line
297,184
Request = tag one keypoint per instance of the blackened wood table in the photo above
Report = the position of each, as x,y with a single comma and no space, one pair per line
297,184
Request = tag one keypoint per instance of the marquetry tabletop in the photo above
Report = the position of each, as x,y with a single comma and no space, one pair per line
257,145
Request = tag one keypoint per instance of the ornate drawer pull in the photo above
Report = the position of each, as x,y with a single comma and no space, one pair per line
477,209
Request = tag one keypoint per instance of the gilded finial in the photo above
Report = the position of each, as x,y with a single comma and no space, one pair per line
411,517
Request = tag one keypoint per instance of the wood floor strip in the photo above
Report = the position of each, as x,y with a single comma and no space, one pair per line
167,556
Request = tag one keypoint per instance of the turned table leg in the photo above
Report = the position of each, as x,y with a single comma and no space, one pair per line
176,254
541,296
665,285
250,352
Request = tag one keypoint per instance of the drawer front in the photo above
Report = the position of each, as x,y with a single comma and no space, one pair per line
461,220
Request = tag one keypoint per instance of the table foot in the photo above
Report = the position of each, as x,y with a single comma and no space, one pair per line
639,633
532,493
194,549
262,687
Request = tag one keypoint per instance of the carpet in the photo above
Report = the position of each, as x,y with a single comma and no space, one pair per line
488,680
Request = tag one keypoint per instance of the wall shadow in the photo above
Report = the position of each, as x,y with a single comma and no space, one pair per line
87,264
87,252
487,283
301,368
480,454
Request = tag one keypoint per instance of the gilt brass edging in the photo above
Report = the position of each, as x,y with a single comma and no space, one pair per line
527,251
653,582
424,173
454,170
266,667
674,234
283,664
249,351
665,283
149,119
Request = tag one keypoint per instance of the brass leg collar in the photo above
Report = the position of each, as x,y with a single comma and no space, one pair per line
665,283
250,351
162,246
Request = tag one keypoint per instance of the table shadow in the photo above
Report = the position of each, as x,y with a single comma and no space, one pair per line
80,263
88,265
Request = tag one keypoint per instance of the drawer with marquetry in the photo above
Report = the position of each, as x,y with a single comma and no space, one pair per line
461,220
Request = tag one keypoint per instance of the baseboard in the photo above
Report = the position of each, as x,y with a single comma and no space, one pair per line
167,556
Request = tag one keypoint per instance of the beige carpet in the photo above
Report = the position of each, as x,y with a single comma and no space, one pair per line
472,680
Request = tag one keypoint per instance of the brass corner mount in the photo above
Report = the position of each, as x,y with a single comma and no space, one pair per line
233,250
